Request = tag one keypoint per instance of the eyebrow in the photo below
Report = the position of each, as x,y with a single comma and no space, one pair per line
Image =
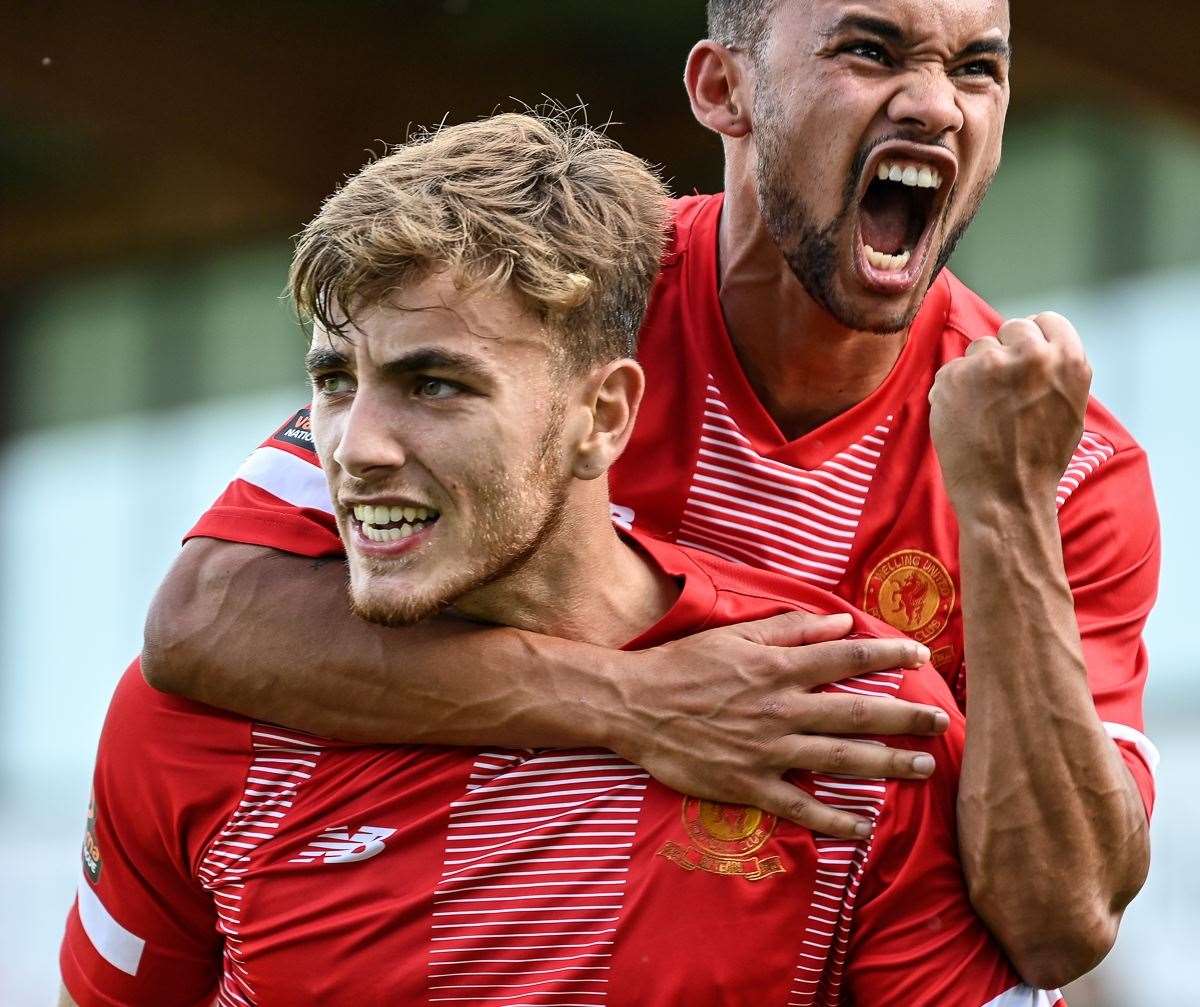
430,358
324,358
987,47
427,358
892,32
879,26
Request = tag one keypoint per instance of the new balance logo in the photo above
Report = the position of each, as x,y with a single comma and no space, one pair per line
341,846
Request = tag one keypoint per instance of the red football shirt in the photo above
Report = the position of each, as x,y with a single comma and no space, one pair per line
238,859
857,506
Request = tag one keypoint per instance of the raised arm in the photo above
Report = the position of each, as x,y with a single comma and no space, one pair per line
720,715
1053,830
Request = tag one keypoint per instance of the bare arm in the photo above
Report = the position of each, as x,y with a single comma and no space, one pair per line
64,998
1052,830
720,715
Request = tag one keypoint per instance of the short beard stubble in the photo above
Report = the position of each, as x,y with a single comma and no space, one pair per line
810,249
516,516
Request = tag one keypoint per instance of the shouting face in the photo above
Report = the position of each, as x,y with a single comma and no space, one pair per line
438,423
878,127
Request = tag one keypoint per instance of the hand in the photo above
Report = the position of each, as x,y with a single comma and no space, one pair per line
722,715
1006,417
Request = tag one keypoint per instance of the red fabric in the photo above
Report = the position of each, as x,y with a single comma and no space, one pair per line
856,518
506,876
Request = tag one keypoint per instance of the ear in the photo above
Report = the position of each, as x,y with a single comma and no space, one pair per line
612,394
719,88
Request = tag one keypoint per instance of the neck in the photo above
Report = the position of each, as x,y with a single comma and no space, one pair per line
804,365
584,582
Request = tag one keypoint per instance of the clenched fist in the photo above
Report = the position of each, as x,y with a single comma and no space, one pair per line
1006,417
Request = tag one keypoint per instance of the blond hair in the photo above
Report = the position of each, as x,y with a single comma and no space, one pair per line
536,201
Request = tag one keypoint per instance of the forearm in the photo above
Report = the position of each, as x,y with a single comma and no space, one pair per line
1053,833
271,636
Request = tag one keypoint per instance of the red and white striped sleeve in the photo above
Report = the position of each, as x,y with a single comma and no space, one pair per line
278,498
1111,549
143,930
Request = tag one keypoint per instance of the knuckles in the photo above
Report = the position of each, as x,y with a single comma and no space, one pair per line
859,714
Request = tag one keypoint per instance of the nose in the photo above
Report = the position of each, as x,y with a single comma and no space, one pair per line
369,441
927,101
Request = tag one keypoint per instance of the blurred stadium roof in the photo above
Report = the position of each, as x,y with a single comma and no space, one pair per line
142,128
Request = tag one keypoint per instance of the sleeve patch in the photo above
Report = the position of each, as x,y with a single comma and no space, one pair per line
92,861
119,947
1093,451
297,432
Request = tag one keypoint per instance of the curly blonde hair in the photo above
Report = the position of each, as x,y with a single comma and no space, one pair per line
532,200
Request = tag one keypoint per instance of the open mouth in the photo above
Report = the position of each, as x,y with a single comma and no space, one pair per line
392,523
901,203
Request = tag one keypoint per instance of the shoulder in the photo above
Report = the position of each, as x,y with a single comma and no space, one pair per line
692,218
969,317
179,748
967,314
146,715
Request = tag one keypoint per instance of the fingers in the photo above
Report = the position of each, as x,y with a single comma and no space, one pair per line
866,759
783,800
795,628
838,713
1018,331
1058,330
1044,327
834,660
979,346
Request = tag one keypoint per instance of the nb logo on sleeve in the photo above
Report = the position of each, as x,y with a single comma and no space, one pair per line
342,846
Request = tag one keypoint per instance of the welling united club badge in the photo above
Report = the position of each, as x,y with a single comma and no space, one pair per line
724,839
911,591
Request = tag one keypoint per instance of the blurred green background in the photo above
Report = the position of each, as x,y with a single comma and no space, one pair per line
155,159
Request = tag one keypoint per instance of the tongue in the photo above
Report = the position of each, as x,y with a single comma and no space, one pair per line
884,221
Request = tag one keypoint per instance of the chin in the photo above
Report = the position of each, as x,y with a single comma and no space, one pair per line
394,609
869,311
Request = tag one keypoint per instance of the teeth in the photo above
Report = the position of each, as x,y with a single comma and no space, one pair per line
372,517
888,263
915,175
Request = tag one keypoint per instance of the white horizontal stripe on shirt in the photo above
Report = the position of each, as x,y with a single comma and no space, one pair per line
292,479
116,945
1143,745
1025,996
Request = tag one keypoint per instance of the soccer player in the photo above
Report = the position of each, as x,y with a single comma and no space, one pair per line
827,402
466,413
